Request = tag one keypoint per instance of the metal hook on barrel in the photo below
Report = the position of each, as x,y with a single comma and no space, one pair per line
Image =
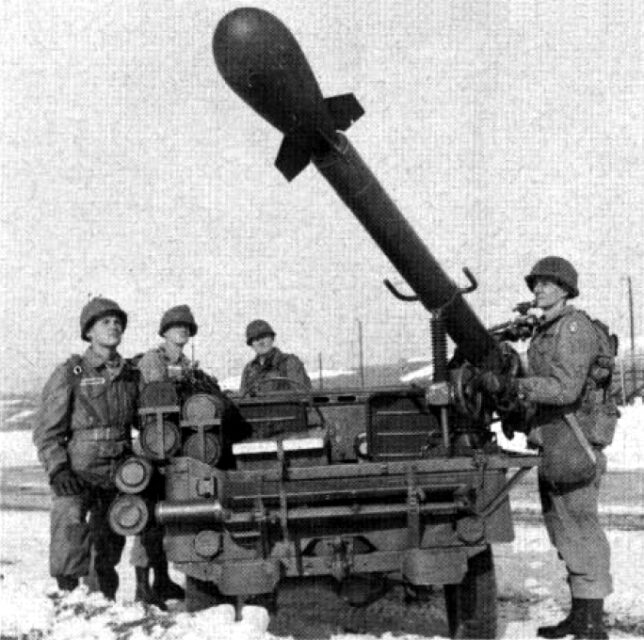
473,282
411,298
397,294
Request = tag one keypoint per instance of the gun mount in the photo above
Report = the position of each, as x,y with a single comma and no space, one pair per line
392,483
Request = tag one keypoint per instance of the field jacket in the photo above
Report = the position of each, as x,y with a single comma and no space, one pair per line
258,375
559,359
85,417
158,365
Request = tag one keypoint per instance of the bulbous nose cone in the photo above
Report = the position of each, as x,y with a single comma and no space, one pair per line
261,61
263,64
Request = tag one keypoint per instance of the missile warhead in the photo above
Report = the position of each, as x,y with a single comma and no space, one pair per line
264,65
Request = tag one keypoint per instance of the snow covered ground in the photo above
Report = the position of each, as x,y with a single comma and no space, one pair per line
531,592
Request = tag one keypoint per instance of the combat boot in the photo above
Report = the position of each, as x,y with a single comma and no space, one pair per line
67,583
591,625
163,585
568,625
143,592
108,583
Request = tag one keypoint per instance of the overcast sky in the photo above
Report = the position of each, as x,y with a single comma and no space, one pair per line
504,130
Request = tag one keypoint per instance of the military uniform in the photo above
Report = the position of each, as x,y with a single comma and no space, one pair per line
156,365
84,423
258,375
560,357
159,364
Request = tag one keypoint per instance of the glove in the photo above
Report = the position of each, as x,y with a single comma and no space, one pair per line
497,385
491,383
65,482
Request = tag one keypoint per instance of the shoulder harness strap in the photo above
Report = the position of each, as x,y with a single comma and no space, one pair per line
75,366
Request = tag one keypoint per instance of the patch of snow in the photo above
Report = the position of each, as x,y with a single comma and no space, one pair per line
625,453
424,372
20,416
10,402
331,373
519,443
17,449
231,383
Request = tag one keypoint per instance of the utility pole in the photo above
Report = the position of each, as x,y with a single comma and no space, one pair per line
631,316
361,352
320,370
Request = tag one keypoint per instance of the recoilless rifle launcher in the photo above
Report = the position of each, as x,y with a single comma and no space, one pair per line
371,486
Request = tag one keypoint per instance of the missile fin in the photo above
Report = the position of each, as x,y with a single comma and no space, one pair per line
292,157
344,109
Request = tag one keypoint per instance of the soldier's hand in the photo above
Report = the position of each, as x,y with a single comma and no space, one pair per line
497,385
65,482
490,382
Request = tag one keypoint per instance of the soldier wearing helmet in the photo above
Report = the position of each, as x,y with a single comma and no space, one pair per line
270,370
565,412
82,433
166,362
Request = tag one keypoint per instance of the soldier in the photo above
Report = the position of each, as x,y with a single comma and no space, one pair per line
167,361
270,370
163,363
82,433
566,425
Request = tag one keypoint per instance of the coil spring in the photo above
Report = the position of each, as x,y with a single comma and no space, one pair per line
439,347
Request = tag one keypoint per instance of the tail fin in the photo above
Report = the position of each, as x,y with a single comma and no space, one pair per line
344,109
293,156
297,147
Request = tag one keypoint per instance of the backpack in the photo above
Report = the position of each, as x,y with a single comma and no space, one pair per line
598,412
602,369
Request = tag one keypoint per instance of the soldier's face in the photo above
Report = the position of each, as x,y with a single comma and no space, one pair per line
547,293
106,331
262,345
177,334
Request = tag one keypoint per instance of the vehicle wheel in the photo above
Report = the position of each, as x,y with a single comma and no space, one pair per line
201,594
472,606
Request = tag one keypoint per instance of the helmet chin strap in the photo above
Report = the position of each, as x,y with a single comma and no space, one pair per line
555,308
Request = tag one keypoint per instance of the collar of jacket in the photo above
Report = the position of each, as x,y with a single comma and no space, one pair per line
274,356
98,362
562,313
165,354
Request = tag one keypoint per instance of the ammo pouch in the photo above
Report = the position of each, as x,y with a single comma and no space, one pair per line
598,418
565,461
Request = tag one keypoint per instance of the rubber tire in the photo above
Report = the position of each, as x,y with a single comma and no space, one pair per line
201,594
472,605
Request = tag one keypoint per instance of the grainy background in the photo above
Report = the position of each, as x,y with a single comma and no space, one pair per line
505,130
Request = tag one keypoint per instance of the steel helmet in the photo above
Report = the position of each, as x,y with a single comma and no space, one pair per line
96,309
181,314
557,269
258,329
